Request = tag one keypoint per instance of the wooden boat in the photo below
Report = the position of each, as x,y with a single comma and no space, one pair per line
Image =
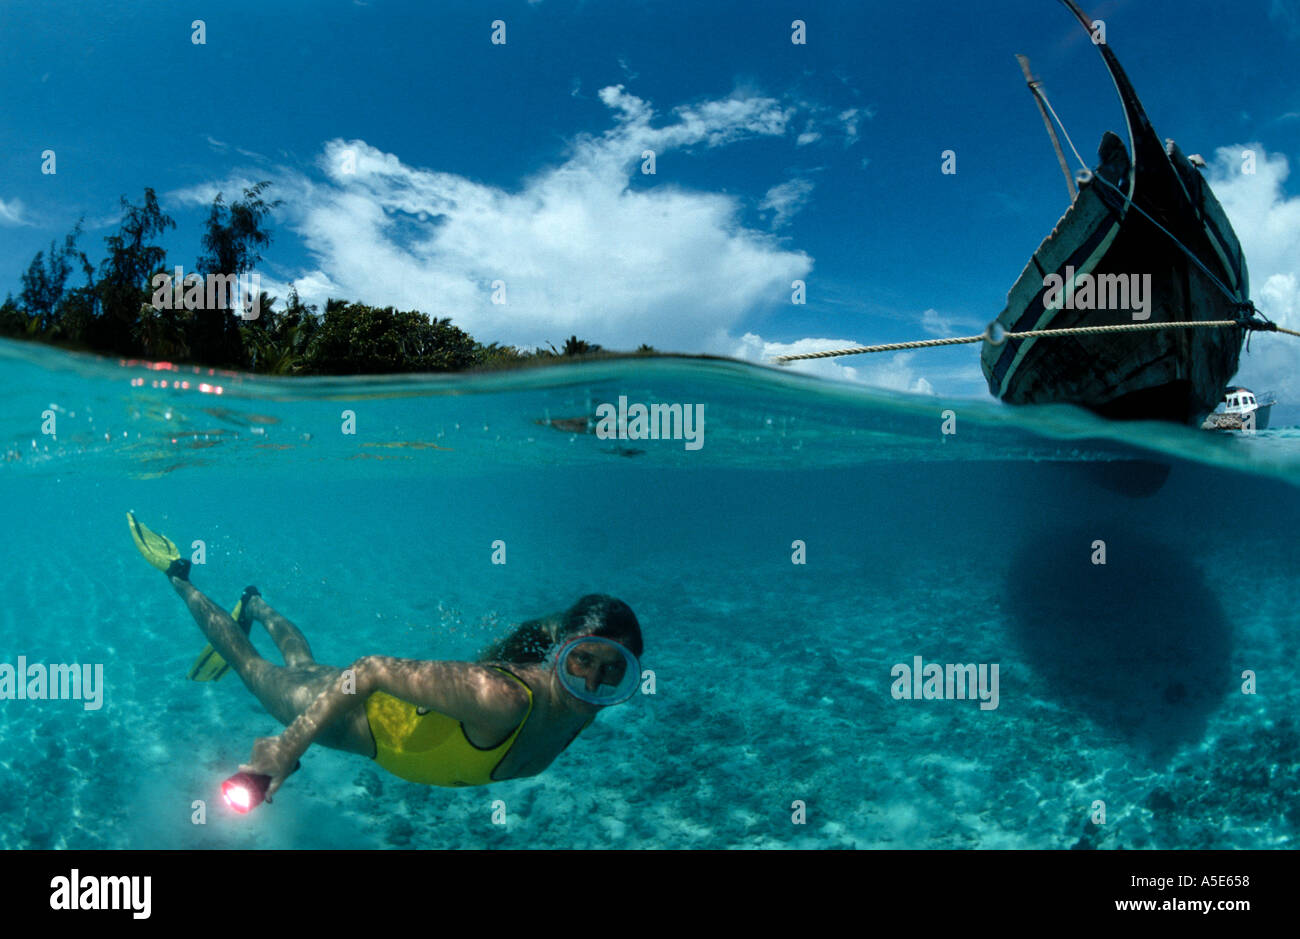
1109,229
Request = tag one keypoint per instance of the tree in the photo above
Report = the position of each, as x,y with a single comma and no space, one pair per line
231,244
47,277
575,346
283,348
75,316
495,355
161,334
12,320
235,234
124,273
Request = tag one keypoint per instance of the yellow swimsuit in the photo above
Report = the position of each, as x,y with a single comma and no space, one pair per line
432,748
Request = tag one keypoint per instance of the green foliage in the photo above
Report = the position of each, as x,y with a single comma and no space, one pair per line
162,334
278,343
354,338
74,315
12,320
498,356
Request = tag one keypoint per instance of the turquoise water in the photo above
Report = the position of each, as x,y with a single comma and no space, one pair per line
1118,682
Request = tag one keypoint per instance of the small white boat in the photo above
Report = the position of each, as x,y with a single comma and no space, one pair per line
1240,410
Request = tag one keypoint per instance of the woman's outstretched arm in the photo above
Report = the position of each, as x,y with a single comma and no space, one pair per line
467,692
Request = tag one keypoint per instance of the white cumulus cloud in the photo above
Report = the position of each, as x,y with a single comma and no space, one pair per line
785,200
936,324
578,247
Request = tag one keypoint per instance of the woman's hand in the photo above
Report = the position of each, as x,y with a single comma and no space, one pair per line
271,758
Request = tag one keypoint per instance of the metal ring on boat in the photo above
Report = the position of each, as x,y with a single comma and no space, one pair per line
995,334
1083,177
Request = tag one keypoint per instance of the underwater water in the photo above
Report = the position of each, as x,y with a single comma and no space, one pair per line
774,681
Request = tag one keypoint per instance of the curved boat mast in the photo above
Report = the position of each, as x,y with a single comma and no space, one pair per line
1040,98
1144,145
1168,197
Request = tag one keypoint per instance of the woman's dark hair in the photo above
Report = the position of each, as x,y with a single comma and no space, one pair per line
599,615
596,614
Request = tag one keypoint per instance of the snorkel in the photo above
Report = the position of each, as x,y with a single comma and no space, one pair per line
596,670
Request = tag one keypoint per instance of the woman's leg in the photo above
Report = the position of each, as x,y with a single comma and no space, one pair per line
286,691
287,637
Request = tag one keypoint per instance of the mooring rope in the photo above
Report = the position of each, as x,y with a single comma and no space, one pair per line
1037,334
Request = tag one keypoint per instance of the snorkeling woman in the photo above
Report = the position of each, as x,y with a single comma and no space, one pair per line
506,716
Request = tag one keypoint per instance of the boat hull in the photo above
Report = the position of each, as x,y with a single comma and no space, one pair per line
1221,420
1171,375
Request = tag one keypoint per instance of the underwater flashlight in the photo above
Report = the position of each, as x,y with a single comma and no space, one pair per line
244,792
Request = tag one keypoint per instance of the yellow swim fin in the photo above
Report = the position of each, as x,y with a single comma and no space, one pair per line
157,549
209,666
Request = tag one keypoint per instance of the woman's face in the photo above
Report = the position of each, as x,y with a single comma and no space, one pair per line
596,664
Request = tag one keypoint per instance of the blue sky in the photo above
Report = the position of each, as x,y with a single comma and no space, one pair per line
522,162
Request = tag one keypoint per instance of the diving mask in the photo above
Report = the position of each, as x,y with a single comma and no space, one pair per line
597,670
